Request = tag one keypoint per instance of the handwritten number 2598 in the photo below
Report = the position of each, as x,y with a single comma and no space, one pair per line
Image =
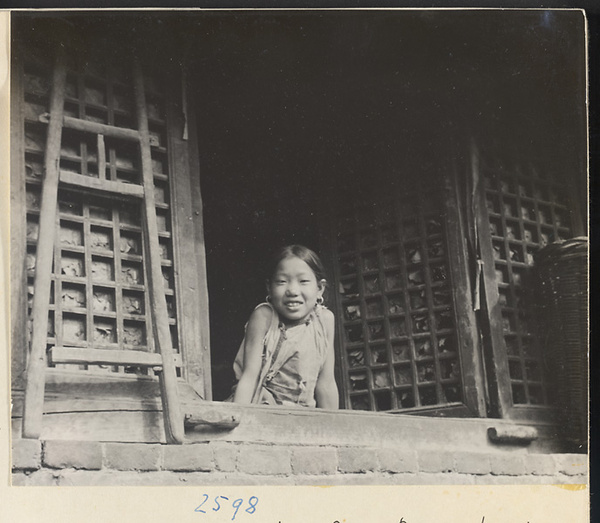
251,509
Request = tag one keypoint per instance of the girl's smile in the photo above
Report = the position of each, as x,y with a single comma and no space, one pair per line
294,289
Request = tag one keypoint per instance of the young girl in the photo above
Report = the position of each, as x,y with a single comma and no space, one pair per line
287,355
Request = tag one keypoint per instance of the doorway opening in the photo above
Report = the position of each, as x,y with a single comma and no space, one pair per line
246,219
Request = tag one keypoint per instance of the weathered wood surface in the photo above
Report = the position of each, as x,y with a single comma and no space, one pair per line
499,361
513,434
200,417
106,186
189,256
78,124
34,389
492,325
173,417
18,228
76,355
101,157
89,420
327,235
73,391
472,370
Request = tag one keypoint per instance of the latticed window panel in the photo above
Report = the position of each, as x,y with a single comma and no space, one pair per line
398,322
99,295
526,212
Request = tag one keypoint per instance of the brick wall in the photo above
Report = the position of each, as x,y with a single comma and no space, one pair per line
279,446
70,463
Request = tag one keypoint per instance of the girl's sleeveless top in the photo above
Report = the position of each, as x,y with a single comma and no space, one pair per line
292,360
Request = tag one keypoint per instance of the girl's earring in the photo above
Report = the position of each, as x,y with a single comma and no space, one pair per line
268,298
320,300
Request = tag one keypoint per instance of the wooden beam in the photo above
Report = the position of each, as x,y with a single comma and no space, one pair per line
189,256
77,124
76,356
500,385
512,434
34,390
101,157
472,371
200,417
200,250
107,186
173,419
326,243
18,228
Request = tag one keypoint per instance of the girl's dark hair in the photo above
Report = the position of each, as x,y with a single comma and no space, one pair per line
299,251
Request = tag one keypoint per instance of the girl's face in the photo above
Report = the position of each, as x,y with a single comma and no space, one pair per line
294,289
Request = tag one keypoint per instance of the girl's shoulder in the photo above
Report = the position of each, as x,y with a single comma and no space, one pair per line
262,312
325,313
263,317
327,317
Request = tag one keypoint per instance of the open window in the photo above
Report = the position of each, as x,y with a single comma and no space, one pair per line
428,253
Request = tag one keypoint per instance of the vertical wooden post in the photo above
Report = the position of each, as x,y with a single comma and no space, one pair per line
173,419
36,368
326,243
493,331
471,358
18,228
189,256
101,157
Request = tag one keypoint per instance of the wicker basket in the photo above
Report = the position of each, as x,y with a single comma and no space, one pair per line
562,276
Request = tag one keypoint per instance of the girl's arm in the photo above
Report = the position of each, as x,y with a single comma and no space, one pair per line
326,391
257,327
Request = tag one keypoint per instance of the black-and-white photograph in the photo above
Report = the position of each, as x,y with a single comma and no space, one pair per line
299,247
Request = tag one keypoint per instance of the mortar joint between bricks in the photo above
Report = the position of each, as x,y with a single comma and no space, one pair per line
103,452
42,454
161,458
377,462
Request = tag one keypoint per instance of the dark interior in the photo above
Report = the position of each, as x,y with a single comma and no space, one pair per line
301,111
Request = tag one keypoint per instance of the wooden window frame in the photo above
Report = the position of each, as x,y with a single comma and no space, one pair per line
469,351
189,261
191,274
503,405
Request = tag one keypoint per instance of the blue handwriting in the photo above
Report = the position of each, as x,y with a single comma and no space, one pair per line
219,501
